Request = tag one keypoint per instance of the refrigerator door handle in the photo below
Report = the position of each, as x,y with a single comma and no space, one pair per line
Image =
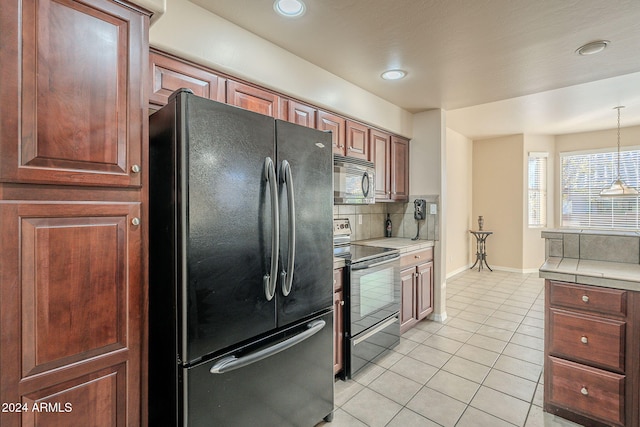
270,280
287,276
231,363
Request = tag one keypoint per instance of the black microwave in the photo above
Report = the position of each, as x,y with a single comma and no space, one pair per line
353,181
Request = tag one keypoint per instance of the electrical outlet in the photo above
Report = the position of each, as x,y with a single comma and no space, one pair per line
360,219
433,209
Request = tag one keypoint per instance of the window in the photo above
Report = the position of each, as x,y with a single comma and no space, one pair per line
584,174
537,189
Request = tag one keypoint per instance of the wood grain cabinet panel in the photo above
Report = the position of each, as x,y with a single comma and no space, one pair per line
588,339
254,99
168,74
588,298
588,391
302,114
380,145
76,303
90,400
357,140
72,110
335,124
399,169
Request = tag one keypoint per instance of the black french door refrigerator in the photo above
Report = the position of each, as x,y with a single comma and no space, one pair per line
240,268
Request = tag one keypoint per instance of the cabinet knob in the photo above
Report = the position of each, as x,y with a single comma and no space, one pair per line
585,298
341,302
334,281
417,256
584,391
135,169
584,340
135,221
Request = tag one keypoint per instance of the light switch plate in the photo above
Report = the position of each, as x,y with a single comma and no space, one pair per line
433,209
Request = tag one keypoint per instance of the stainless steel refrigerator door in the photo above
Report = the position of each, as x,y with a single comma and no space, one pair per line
305,164
293,387
227,216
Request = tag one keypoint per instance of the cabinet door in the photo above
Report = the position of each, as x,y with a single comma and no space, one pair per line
71,291
336,124
408,298
169,74
254,99
73,105
424,290
380,145
399,169
302,114
338,331
357,140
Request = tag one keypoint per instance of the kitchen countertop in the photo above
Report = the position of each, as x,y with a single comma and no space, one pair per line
402,244
338,262
608,274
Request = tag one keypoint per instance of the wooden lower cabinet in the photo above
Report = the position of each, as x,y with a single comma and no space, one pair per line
591,354
71,312
338,321
416,288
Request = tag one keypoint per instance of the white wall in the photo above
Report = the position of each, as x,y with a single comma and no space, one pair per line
428,176
459,201
196,34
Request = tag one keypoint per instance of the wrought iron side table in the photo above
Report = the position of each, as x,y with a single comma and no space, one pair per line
481,248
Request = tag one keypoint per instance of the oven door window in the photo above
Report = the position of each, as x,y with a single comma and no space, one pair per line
375,295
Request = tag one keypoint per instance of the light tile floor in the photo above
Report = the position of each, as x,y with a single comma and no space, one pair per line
481,367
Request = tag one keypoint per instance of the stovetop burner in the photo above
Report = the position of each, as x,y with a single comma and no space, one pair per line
352,253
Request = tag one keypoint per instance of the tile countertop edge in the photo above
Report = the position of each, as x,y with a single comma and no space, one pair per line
597,273
402,244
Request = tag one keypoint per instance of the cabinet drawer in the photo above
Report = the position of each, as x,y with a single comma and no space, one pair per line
589,391
416,257
588,298
588,339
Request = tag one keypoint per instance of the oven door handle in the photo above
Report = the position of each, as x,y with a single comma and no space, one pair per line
375,330
366,266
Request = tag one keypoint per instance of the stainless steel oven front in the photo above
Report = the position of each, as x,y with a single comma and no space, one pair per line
373,327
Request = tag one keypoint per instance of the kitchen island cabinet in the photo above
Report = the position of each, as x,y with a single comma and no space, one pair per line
73,159
592,327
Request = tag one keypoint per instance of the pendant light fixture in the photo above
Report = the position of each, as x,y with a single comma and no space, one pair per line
618,188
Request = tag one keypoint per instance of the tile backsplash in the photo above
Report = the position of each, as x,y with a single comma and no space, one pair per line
368,221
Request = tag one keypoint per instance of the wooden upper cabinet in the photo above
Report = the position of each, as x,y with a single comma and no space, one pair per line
254,99
168,74
380,146
335,124
302,114
73,109
399,169
357,140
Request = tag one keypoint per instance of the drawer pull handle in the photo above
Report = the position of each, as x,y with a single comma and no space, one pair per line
584,391
585,298
417,256
584,340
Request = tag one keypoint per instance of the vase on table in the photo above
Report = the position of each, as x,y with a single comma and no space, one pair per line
480,223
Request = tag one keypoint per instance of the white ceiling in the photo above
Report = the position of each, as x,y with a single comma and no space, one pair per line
497,66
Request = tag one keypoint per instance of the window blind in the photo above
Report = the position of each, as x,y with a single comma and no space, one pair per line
583,175
537,194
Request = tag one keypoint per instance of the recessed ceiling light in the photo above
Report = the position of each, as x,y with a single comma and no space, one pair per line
393,74
289,8
593,47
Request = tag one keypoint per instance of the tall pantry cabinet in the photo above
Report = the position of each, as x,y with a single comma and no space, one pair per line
73,160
